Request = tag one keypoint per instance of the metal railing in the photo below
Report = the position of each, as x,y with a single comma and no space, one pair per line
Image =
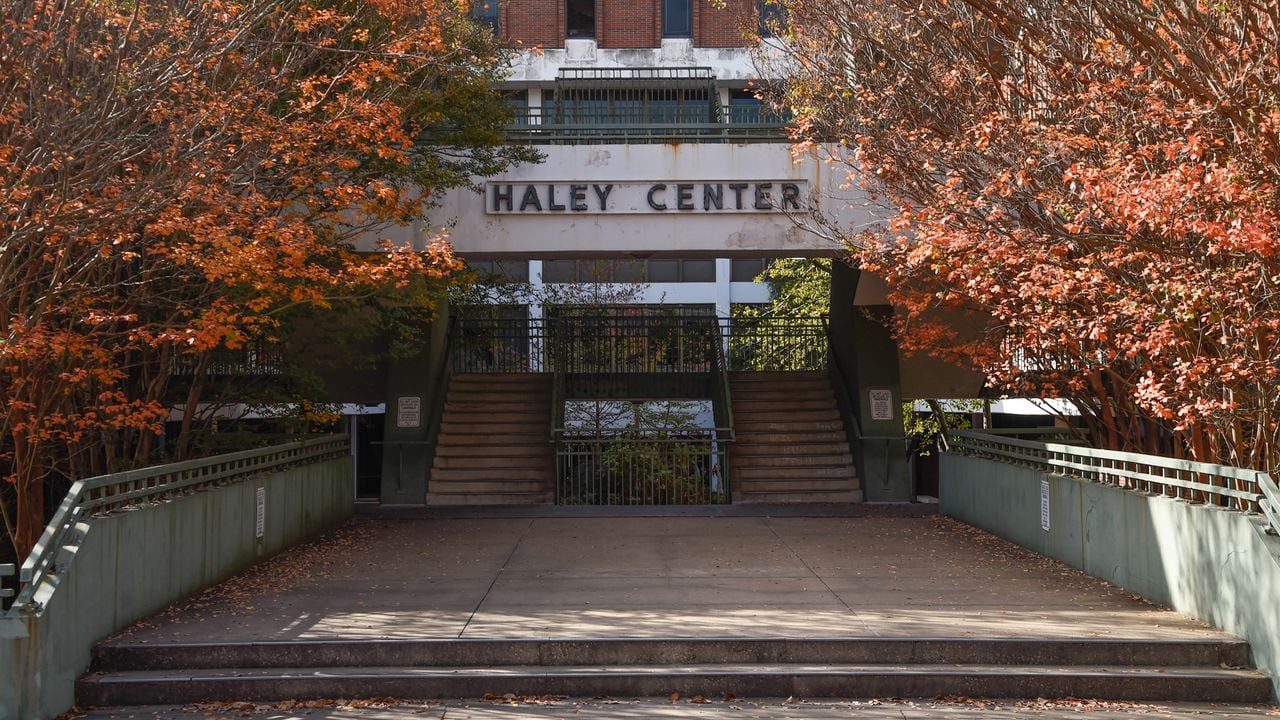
100,495
843,387
539,129
260,360
641,467
1250,491
721,398
777,343
586,344
499,345
639,344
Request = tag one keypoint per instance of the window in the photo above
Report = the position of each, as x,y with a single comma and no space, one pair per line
745,270
699,270
592,271
580,18
677,18
485,12
500,270
558,271
773,17
675,271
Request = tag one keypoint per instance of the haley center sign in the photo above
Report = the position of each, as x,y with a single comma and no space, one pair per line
704,196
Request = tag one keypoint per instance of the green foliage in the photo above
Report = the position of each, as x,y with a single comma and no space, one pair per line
800,287
926,430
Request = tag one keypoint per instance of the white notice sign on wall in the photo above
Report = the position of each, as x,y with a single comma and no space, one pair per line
409,412
881,404
1044,505
260,516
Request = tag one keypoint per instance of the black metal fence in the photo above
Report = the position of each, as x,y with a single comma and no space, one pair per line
642,467
586,344
638,344
776,343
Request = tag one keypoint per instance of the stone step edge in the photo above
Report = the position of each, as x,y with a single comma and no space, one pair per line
524,651
1142,683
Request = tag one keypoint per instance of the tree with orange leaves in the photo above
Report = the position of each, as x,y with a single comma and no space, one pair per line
1100,179
177,177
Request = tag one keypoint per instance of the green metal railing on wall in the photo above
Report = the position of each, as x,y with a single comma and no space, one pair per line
108,493
1250,491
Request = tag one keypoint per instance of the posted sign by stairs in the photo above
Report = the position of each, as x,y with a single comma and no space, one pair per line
1044,505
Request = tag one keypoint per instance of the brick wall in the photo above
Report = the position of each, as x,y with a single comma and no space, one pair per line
721,27
629,23
528,23
625,23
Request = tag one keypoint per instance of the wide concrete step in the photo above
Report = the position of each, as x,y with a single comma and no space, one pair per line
792,448
487,499
524,379
487,487
804,497
776,376
495,446
781,424
816,436
781,391
490,393
746,486
748,472
519,404
528,415
485,475
787,418
480,427
774,680
782,406
124,655
533,458
792,461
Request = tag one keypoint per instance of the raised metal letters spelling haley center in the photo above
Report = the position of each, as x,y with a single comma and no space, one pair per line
632,197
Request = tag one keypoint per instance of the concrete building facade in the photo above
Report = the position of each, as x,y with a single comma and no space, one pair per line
660,161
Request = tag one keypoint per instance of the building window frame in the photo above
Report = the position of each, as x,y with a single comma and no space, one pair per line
580,19
486,12
772,15
677,18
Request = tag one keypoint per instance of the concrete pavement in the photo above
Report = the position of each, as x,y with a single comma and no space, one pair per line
573,577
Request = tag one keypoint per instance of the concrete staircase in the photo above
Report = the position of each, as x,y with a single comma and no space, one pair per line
138,673
791,446
494,446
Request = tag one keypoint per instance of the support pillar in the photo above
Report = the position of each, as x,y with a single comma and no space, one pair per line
868,354
412,410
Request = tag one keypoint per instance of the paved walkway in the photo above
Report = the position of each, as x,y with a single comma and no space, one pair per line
661,576
777,709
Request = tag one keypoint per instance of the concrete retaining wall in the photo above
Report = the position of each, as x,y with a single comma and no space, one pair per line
1217,565
135,562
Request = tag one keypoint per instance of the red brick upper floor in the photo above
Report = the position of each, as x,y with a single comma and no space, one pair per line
624,24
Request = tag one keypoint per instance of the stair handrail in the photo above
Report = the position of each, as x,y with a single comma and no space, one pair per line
439,388
840,379
721,398
556,360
